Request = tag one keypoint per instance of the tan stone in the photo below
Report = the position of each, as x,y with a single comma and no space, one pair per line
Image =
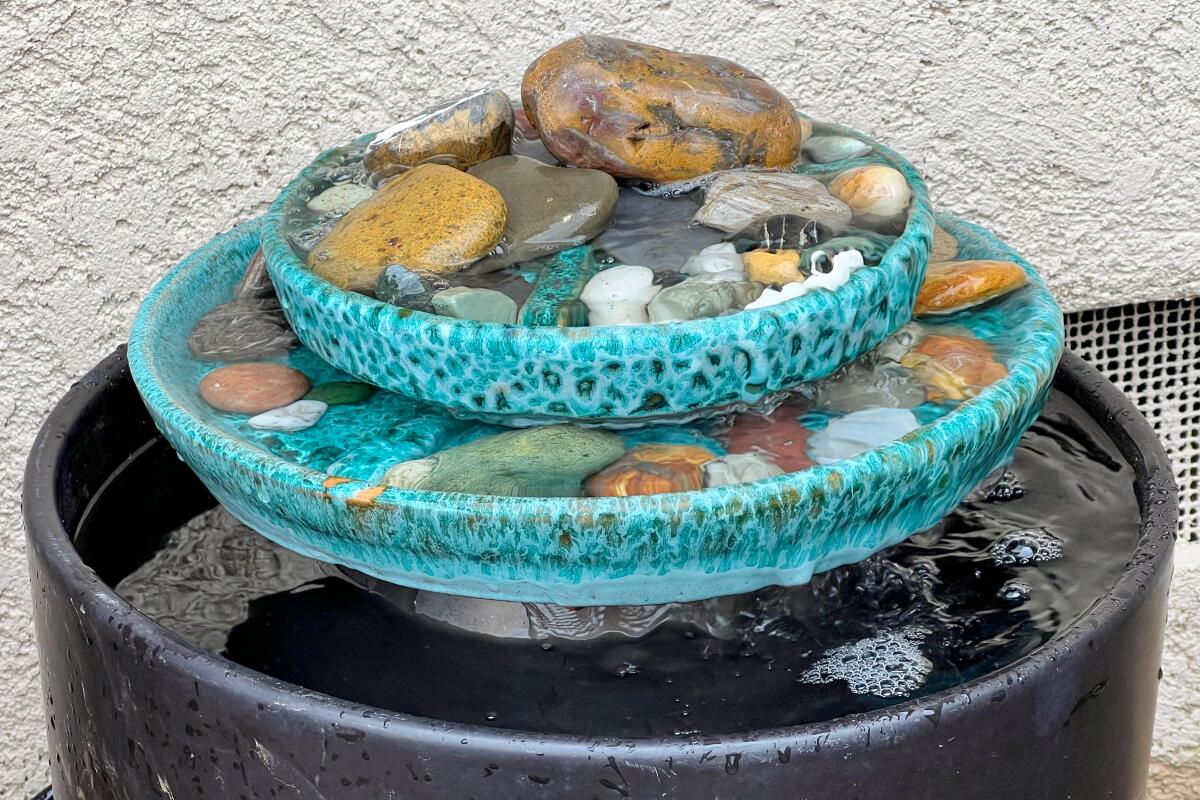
253,388
776,268
951,286
945,246
874,191
432,219
638,111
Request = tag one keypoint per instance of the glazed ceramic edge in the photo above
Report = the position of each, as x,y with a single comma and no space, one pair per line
613,550
494,371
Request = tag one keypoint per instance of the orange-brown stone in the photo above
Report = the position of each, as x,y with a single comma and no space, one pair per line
433,219
953,367
652,469
253,388
954,285
638,111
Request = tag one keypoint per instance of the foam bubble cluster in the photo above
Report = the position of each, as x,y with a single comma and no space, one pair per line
888,665
1026,546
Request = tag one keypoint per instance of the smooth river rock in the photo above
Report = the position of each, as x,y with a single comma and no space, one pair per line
953,367
549,208
252,388
951,286
297,416
457,133
432,218
246,329
776,268
638,111
740,199
619,296
551,461
340,198
402,287
481,305
653,469
699,300
874,192
860,431
827,149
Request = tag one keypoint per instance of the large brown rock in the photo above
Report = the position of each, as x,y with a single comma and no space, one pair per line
458,133
431,219
638,111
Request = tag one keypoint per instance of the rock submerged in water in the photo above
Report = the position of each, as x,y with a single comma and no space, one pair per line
297,416
339,393
551,461
340,198
549,208
252,388
699,300
945,246
860,431
739,468
246,329
952,286
433,219
458,133
631,110
481,305
653,469
953,367
402,287
738,200
871,245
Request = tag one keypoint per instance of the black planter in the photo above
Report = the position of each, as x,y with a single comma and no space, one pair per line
135,712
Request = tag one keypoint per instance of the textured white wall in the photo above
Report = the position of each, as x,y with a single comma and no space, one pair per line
133,131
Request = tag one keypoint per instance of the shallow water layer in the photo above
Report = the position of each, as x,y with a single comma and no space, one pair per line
1007,571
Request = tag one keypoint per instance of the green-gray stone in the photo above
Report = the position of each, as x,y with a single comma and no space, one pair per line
340,393
550,461
696,300
402,287
549,208
555,299
483,305
872,246
827,149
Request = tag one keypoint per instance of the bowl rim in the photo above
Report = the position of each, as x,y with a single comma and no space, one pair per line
1027,375
914,244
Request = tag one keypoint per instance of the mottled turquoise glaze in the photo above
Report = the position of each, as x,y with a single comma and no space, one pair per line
612,550
639,372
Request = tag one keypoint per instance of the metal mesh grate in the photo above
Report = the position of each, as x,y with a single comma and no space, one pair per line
1152,352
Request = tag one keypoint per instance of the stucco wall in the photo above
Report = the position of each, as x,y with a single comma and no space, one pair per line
133,131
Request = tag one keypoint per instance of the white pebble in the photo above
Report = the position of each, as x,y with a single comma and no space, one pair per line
728,276
739,468
295,417
859,432
716,258
619,296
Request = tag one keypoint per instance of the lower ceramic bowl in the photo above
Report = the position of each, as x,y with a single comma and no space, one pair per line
490,370
587,551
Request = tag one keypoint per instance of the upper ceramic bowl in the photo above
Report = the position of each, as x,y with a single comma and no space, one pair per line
493,371
592,550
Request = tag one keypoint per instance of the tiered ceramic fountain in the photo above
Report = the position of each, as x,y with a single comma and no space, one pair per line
647,339
644,354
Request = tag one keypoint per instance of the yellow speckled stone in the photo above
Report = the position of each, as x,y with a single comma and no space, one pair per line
778,268
432,218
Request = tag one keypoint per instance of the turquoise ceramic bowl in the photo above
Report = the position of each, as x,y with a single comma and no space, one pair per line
611,550
639,372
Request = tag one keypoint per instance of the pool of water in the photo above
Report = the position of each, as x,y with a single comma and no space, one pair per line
1007,571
